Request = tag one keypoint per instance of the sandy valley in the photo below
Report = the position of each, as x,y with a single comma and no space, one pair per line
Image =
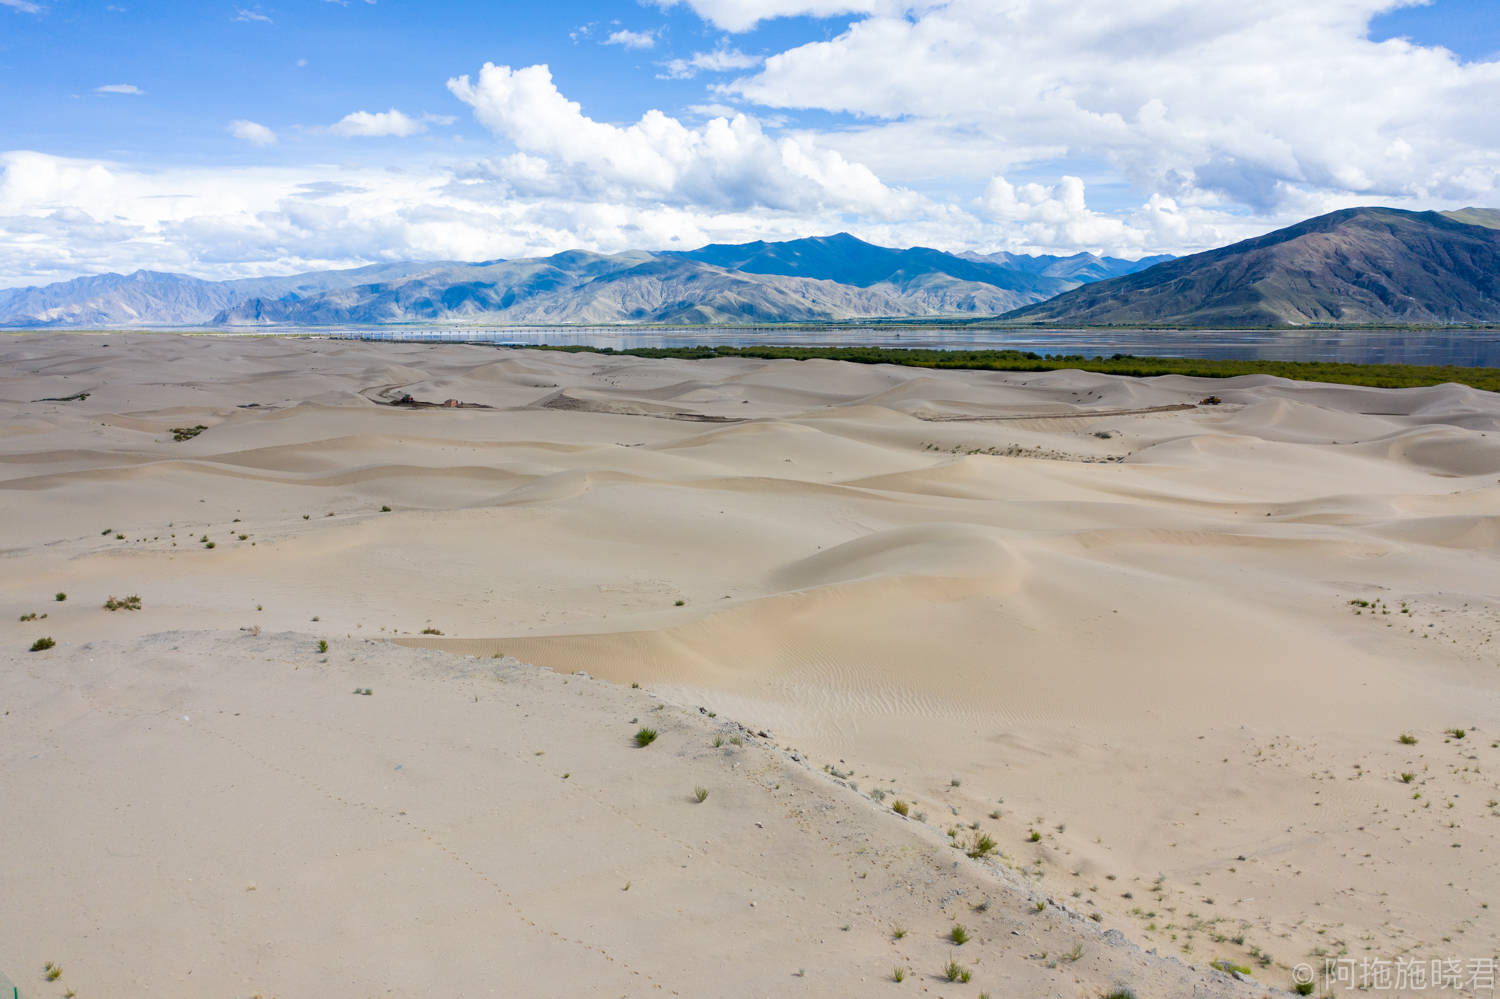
1218,679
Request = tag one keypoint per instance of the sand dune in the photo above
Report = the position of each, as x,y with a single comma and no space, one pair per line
1176,642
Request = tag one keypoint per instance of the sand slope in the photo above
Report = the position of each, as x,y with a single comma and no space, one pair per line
1060,603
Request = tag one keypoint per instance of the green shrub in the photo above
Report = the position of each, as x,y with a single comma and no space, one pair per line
42,644
700,794
982,845
130,603
898,974
60,597
958,934
1407,739
322,645
645,737
900,807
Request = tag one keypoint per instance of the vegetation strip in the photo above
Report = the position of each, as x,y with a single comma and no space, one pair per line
1375,375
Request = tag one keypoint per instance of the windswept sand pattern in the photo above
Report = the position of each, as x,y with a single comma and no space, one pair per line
1163,652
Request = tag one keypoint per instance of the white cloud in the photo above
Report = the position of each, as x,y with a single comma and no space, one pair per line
720,60
1247,103
726,163
252,132
24,6
118,88
253,14
366,123
632,39
743,15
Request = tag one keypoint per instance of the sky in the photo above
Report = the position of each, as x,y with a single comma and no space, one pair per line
229,139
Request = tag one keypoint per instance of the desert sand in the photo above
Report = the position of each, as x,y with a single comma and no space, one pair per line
1162,652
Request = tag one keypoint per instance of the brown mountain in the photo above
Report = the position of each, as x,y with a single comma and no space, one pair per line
1358,266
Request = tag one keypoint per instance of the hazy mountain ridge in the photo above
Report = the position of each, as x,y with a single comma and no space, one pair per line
814,279
157,298
1359,265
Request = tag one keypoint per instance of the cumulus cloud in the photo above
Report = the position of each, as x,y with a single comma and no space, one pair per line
727,162
252,132
720,60
366,123
118,88
24,6
1256,104
251,14
632,39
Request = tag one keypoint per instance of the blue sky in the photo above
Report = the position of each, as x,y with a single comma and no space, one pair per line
223,139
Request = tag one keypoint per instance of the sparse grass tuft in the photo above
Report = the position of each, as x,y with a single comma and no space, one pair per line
700,794
431,631
645,737
1120,993
718,741
1303,988
1456,733
322,645
1229,967
385,509
42,644
954,972
679,603
898,932
51,971
982,845
130,603
1407,739
959,934
1035,837
180,434
900,807
898,974
60,597
1407,776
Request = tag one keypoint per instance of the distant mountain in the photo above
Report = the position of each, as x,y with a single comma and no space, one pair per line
154,298
1487,217
816,279
1361,265
1084,267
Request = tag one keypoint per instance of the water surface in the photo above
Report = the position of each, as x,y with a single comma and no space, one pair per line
1462,347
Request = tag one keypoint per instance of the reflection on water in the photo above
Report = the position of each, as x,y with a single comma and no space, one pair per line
1466,348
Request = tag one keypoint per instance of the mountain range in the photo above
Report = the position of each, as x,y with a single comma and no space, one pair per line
815,279
1356,266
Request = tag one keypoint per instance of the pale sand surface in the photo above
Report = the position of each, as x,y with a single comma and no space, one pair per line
1151,662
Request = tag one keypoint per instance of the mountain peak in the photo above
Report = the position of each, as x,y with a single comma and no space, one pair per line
1357,265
